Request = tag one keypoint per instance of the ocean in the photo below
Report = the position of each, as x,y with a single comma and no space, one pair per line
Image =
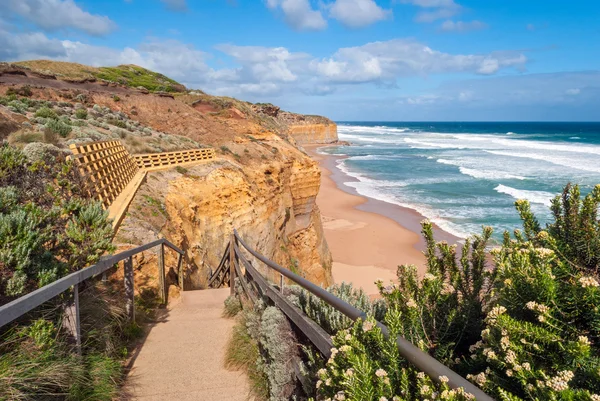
464,175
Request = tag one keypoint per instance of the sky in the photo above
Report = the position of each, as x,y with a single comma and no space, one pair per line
350,60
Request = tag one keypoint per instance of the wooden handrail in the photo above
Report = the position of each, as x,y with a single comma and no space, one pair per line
419,359
20,306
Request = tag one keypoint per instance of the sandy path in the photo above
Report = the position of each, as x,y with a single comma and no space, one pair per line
183,358
365,246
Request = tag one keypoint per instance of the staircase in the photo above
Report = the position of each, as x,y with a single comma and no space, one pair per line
183,356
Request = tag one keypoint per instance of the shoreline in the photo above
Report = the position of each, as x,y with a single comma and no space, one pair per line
368,238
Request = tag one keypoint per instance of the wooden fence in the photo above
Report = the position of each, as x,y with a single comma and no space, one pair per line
106,167
168,159
17,308
112,175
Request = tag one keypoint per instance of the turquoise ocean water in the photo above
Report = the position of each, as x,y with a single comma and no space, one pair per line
465,175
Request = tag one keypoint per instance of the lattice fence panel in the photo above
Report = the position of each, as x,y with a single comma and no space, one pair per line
153,160
107,167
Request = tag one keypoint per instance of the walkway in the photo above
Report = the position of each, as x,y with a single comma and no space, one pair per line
182,358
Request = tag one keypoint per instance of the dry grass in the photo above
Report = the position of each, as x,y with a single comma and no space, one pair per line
62,70
24,136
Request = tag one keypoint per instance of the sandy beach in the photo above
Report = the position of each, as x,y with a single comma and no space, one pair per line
366,245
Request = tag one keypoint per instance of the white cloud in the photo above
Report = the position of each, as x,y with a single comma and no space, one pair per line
573,91
299,14
358,13
437,9
176,5
462,26
54,15
258,72
386,61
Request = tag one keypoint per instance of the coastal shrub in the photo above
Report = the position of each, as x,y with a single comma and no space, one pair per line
243,352
279,354
525,328
46,112
59,127
47,227
81,114
24,90
17,106
117,123
232,306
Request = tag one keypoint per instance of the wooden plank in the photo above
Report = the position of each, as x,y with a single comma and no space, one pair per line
180,272
232,265
161,275
71,318
129,291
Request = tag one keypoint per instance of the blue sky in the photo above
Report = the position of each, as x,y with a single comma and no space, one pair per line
347,59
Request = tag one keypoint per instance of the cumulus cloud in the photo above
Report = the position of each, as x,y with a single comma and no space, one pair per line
385,61
358,13
54,15
299,14
462,26
176,5
258,71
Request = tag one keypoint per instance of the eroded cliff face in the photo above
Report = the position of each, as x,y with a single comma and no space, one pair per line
314,133
268,195
270,201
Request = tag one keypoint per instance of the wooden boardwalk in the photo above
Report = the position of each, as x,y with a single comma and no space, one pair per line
183,357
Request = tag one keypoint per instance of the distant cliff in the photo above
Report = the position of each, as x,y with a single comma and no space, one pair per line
314,133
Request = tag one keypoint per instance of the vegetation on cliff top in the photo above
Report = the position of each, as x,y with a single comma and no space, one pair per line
129,75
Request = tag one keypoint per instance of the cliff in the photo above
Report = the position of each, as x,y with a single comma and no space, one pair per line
262,184
314,133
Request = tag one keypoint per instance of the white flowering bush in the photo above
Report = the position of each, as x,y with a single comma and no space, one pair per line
364,366
541,336
443,312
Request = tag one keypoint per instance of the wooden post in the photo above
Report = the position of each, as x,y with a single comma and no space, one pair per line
180,271
129,293
161,274
281,283
71,319
232,265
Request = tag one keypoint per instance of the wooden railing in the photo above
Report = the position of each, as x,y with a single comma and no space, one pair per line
235,264
19,307
168,159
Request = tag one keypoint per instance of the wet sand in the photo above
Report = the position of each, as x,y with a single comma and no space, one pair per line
367,238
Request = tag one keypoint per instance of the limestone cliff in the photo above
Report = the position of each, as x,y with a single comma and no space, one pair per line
270,200
314,133
262,184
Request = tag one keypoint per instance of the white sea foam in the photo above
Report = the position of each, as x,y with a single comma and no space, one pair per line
510,133
489,174
540,197
593,165
574,137
542,145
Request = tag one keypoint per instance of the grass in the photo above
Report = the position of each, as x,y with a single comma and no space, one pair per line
181,170
158,205
62,70
242,353
38,362
134,76
25,137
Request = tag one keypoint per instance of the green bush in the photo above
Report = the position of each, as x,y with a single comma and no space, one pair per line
47,228
81,114
59,127
232,306
46,112
526,328
117,123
